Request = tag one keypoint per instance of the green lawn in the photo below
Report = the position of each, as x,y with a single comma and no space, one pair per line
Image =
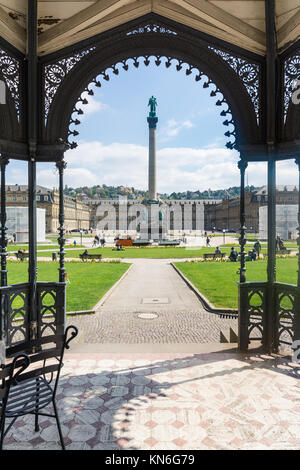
88,281
218,281
145,252
154,252
39,247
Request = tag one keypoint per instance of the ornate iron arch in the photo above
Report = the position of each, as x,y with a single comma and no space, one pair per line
232,79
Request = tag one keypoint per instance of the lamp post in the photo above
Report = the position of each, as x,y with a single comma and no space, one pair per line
80,236
223,236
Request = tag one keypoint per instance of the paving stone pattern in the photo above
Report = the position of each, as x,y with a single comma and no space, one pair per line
169,401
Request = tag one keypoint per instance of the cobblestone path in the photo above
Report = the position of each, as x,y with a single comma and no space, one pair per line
170,311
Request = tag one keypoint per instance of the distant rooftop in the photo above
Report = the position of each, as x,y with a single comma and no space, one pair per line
279,187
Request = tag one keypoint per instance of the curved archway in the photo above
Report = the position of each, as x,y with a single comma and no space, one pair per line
97,63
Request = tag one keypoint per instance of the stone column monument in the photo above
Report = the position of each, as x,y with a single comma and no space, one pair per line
152,121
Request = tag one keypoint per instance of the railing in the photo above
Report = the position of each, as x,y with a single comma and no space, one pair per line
252,313
16,326
287,324
276,327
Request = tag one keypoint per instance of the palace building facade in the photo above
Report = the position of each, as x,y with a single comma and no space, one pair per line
77,214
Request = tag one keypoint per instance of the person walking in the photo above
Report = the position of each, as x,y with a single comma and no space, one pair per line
207,241
257,247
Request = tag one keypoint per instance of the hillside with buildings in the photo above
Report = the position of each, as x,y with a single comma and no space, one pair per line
111,192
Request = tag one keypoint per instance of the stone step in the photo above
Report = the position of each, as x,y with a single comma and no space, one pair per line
195,348
229,336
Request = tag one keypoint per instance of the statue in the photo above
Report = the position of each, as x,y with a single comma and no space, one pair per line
152,103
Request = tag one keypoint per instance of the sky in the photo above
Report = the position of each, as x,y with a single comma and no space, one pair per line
113,138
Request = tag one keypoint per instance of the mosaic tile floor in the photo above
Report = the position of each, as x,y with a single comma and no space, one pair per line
170,401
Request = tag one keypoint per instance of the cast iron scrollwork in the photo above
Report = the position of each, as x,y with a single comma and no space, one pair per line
248,72
55,73
10,71
151,28
291,76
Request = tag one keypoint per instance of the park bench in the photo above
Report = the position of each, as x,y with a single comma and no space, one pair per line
141,243
22,256
169,243
214,255
85,257
24,387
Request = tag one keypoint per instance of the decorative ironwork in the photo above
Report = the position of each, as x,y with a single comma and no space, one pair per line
248,72
189,69
50,308
61,239
151,28
256,312
14,313
287,316
55,73
10,70
291,75
252,312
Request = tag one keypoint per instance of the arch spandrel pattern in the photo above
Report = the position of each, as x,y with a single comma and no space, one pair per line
11,113
290,108
136,44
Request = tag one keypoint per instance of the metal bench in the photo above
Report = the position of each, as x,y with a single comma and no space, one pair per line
85,257
24,388
213,255
141,243
22,256
169,243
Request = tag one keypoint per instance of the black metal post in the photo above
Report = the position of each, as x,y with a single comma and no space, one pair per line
3,162
32,80
242,240
271,114
243,310
298,238
297,299
61,239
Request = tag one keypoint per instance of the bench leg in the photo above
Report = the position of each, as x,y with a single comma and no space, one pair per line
58,425
2,427
36,420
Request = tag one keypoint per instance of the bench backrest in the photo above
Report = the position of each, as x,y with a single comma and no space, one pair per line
13,372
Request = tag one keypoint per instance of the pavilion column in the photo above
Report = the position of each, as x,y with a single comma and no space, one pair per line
32,118
243,311
242,240
297,300
298,238
3,254
271,96
61,239
32,228
270,314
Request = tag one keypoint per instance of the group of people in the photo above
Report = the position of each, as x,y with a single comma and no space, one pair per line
97,241
233,256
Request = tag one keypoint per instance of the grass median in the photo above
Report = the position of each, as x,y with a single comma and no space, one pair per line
154,252
217,281
88,281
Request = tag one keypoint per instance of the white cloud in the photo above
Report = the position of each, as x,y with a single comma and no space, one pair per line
178,169
173,127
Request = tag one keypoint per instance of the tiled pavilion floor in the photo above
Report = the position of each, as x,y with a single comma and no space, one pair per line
164,401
